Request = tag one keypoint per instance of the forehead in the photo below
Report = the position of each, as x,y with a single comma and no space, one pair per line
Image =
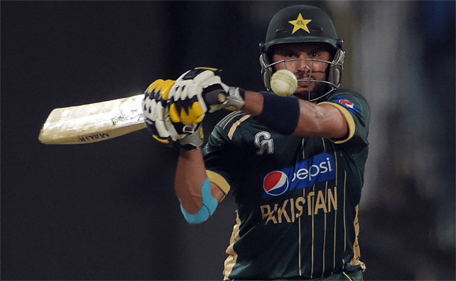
302,47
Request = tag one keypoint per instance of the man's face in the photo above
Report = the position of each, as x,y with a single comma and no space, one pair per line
304,61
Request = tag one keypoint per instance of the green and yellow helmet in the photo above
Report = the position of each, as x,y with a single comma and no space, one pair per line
302,24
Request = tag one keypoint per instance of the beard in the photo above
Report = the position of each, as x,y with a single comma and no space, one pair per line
311,92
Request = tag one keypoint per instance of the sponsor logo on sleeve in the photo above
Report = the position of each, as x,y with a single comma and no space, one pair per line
348,104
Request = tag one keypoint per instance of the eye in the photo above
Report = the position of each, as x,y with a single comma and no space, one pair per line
290,54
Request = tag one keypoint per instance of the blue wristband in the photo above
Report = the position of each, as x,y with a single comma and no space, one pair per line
279,113
208,208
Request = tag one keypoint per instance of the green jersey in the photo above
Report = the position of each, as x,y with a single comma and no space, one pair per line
297,197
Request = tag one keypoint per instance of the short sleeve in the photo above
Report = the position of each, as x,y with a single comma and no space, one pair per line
356,111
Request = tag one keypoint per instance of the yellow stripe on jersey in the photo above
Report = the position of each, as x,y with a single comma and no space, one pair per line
235,125
348,118
219,180
356,251
232,255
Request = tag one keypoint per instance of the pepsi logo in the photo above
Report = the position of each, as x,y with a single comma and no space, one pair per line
275,183
351,106
347,103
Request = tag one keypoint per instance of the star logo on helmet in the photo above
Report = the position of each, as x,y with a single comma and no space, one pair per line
300,23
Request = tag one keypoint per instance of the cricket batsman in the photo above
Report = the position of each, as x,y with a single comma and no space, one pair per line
293,156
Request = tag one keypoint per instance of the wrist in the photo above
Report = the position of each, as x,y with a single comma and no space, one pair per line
235,99
194,140
279,113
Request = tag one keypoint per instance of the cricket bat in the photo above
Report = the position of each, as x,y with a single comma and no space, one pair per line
94,122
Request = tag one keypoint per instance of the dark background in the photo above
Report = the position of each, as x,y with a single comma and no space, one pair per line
107,211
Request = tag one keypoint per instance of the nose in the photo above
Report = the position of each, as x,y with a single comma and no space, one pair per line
303,64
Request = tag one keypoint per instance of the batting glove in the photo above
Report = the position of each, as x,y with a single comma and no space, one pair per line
194,140
156,114
201,90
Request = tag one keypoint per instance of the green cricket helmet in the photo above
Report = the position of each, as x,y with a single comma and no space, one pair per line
302,24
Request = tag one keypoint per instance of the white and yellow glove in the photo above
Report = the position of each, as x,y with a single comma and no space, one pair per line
156,114
198,91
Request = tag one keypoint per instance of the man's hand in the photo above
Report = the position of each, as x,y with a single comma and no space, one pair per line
156,114
198,91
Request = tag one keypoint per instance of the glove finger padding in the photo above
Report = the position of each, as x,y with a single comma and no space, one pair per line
188,97
156,114
160,88
185,106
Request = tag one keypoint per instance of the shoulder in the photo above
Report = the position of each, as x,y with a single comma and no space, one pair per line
356,111
344,94
351,100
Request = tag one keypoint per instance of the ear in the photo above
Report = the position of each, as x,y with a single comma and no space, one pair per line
266,71
335,71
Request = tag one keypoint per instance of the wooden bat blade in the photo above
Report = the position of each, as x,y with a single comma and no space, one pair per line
94,122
